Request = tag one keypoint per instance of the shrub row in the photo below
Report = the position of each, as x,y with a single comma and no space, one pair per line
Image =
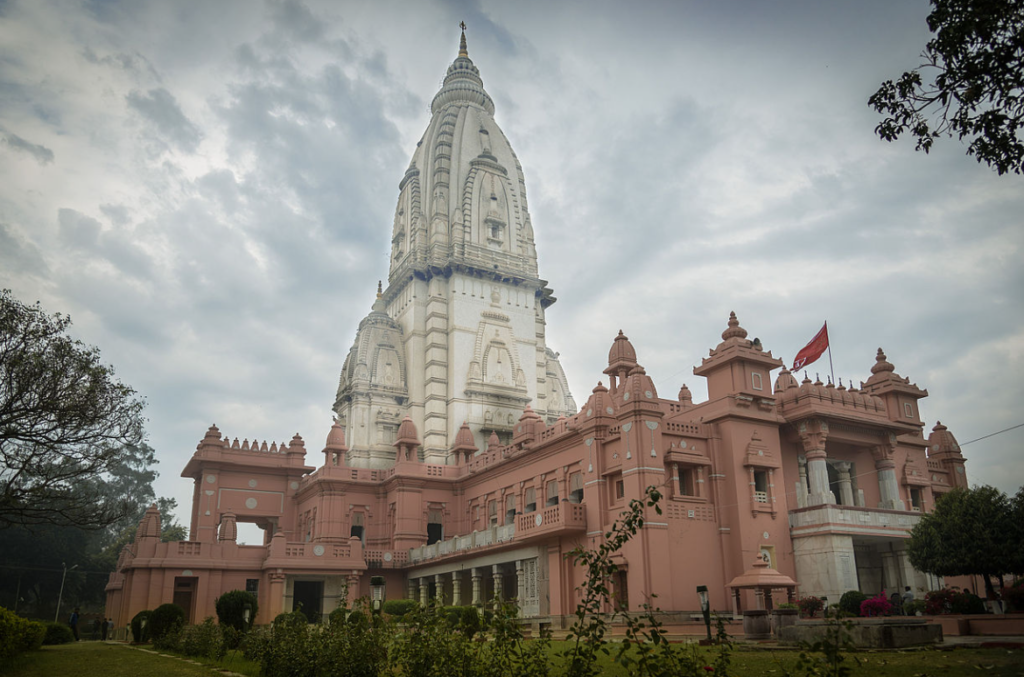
18,635
206,640
58,633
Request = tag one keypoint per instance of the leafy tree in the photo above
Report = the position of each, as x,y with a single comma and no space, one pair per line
972,83
971,531
64,420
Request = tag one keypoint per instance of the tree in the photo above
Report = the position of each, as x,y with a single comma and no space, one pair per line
64,420
977,58
971,531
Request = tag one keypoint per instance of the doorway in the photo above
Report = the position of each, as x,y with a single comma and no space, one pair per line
184,592
310,594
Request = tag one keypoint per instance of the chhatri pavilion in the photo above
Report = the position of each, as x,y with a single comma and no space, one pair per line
460,468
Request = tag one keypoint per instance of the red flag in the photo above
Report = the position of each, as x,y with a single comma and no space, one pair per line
813,350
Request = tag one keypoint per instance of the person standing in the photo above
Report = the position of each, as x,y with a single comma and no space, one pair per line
73,622
908,596
103,630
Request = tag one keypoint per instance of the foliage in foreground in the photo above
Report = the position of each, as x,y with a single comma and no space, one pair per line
18,635
977,60
64,419
58,633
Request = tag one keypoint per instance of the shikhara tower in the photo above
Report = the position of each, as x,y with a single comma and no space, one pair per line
458,334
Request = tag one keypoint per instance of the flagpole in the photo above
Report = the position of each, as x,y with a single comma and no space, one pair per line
833,371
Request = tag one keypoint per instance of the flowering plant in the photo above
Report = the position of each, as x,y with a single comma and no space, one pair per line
810,606
876,606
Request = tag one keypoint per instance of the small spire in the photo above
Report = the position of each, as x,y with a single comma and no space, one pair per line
463,51
380,289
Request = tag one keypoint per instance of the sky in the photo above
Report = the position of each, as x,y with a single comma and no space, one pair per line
208,190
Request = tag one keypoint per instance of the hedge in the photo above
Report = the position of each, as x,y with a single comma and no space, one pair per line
164,619
58,633
231,609
399,607
140,635
18,635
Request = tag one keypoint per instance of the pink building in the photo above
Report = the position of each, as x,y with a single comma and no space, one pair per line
468,473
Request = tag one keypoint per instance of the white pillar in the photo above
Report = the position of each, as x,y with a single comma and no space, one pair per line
845,484
439,583
521,586
801,483
424,591
496,576
817,475
477,579
888,488
456,588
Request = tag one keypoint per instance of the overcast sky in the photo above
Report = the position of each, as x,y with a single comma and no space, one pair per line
208,189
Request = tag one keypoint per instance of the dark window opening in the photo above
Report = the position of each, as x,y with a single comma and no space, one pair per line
686,484
552,493
252,585
576,488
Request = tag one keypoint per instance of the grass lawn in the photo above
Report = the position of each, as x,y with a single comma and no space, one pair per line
85,659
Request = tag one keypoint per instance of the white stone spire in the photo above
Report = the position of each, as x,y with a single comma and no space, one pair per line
464,296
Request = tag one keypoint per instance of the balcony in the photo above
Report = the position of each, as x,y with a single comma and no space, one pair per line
851,521
556,520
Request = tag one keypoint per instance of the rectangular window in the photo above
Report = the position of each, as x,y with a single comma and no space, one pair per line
552,493
357,526
908,409
252,585
756,382
620,489
531,500
687,486
576,487
435,527
492,513
916,503
510,508
761,486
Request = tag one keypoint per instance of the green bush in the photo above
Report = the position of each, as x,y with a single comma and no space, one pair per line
165,618
203,641
912,607
140,635
356,618
399,607
231,609
1013,595
470,622
851,600
337,616
58,633
291,619
18,634
255,643
232,637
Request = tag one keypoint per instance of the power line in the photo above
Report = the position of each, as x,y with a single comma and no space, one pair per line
985,437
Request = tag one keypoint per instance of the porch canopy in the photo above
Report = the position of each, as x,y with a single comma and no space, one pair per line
765,579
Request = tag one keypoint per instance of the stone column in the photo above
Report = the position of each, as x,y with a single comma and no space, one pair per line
888,488
439,583
817,475
496,576
410,589
352,588
813,434
520,586
456,588
477,579
845,484
801,484
424,591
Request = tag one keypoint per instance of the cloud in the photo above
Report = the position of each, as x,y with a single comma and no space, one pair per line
42,154
160,108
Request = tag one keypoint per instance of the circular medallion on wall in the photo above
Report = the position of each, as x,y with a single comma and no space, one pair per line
765,534
210,479
538,520
318,550
610,410
252,484
388,557
590,412
250,503
294,485
649,394
625,395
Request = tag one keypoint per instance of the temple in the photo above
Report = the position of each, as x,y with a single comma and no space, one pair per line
459,468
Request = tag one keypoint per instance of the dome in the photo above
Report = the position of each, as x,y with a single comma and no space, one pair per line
464,439
622,354
407,433
734,330
336,439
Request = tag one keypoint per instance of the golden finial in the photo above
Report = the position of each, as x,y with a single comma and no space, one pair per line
380,289
463,51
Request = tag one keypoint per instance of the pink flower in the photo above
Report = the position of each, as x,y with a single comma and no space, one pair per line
709,668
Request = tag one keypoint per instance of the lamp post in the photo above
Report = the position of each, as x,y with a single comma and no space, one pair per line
377,593
705,608
60,597
246,615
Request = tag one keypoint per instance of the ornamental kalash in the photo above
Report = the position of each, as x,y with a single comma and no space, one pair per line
460,469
